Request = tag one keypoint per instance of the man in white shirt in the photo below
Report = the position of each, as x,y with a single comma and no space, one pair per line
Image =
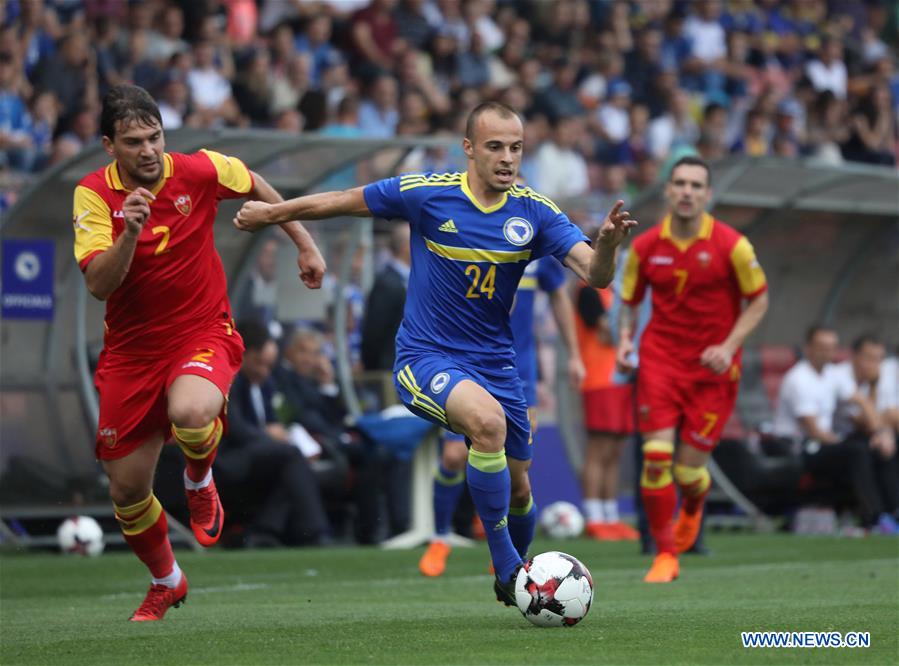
808,400
868,376
828,72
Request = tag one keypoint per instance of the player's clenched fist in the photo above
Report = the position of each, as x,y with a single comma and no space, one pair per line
136,210
253,215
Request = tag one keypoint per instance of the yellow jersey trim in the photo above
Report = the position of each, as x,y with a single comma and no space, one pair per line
412,181
91,222
750,275
477,254
682,244
471,197
114,181
232,173
528,282
630,275
527,193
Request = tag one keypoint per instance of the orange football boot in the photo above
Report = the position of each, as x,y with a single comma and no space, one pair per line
206,514
686,529
664,569
602,531
159,599
433,562
625,532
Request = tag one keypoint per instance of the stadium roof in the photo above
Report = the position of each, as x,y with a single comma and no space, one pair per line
296,163
291,163
768,183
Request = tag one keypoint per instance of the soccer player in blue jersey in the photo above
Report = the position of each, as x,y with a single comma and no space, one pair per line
473,233
548,275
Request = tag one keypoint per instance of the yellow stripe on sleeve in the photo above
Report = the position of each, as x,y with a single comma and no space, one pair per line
232,173
749,272
629,278
91,222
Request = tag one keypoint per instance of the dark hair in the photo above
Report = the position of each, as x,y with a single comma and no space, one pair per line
254,333
692,160
866,339
814,329
127,104
501,109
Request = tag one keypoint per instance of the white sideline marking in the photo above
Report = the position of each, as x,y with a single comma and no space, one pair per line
240,587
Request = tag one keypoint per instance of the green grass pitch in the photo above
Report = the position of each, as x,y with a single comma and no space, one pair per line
368,606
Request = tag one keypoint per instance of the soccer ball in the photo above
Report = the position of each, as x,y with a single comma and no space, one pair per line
554,590
80,534
561,520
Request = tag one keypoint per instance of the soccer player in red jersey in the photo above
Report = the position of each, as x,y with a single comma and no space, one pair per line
144,240
701,271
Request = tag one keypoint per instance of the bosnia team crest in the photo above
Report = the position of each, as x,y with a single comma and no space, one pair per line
439,382
183,205
518,231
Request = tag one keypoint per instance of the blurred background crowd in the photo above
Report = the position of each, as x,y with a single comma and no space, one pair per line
610,89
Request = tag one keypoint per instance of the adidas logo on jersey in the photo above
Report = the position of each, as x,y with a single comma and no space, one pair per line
449,227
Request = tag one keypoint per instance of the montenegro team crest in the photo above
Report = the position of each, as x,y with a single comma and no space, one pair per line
108,437
183,204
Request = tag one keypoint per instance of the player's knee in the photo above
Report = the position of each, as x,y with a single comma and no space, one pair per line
657,461
487,429
191,414
454,456
686,475
127,493
521,492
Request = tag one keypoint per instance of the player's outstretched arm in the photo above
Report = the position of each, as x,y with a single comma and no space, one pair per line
255,215
597,266
108,269
309,259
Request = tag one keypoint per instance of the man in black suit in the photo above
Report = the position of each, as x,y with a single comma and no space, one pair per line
260,468
383,315
386,300
311,398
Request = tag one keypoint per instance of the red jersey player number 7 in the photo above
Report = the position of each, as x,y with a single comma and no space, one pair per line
143,228
708,293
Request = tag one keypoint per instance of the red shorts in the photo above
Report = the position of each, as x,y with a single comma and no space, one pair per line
702,408
133,389
610,409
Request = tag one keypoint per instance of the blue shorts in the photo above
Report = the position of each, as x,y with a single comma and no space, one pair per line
424,381
529,386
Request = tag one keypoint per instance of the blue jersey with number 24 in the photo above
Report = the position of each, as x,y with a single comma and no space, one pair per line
467,260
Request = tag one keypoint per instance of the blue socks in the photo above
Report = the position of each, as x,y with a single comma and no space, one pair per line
490,486
522,524
448,487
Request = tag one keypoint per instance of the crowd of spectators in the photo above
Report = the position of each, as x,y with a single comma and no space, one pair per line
604,84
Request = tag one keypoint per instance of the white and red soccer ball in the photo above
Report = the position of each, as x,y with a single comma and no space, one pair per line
561,520
81,535
554,590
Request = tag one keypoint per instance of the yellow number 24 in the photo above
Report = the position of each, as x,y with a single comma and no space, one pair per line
487,285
